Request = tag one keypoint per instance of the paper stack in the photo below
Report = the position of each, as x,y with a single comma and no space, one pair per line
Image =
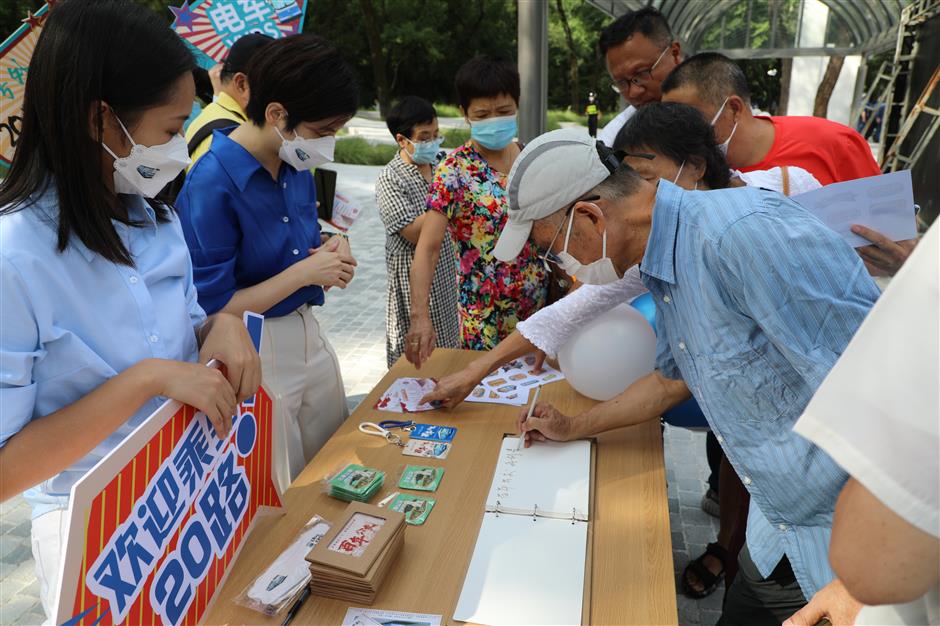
353,559
356,482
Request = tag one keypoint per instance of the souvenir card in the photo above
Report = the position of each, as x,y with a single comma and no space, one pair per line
357,534
433,432
415,508
429,449
404,396
421,478
356,482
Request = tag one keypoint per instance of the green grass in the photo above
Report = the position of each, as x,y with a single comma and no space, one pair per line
448,110
358,151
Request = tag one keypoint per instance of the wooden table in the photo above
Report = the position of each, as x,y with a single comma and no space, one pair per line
631,565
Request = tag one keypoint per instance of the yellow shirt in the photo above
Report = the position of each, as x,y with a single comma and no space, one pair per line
224,107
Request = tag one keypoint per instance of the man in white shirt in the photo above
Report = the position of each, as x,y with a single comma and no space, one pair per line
639,51
880,423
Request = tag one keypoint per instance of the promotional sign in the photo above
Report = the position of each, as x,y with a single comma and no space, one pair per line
15,54
156,524
210,27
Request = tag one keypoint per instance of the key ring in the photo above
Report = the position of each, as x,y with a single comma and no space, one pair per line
407,425
371,428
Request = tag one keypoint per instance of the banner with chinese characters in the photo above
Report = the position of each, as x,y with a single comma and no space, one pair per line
155,526
15,53
210,27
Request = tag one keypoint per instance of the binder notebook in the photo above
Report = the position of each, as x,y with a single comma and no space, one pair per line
531,555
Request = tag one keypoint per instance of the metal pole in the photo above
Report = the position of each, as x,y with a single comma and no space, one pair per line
533,68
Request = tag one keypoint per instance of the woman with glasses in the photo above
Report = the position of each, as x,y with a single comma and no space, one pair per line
401,193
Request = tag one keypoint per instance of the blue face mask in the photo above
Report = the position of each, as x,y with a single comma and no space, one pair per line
494,133
425,152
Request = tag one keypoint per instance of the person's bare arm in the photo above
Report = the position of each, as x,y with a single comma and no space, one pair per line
453,389
412,231
880,557
46,446
419,343
646,399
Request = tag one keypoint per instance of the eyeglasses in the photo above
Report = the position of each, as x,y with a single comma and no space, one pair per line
640,79
549,256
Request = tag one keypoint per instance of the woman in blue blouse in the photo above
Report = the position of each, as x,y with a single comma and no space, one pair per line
98,308
249,213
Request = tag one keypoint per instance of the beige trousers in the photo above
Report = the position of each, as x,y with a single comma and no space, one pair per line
48,542
301,372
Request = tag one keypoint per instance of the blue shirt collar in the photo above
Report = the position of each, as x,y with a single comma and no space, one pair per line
238,163
47,203
659,261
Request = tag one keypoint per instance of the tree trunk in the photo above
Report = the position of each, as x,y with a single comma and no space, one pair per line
786,70
379,70
573,78
821,106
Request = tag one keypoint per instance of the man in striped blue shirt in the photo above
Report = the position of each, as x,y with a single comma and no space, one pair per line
755,301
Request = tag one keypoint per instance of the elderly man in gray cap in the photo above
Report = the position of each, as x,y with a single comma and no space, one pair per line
755,300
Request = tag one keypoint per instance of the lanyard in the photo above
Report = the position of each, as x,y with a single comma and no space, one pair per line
371,428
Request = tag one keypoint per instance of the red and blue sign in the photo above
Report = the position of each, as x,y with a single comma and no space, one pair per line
210,27
155,526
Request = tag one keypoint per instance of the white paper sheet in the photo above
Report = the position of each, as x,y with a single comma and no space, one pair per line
513,382
884,203
555,477
525,572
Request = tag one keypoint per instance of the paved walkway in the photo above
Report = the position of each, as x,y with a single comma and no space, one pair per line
354,320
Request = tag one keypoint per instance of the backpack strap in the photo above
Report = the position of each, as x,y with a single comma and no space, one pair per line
207,130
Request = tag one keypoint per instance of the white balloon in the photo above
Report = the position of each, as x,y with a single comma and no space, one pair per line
607,355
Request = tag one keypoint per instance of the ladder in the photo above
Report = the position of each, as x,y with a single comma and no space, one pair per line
894,159
877,94
897,95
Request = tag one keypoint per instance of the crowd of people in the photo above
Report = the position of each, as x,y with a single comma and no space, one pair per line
129,253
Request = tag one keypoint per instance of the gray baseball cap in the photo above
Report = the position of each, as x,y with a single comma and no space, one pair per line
553,171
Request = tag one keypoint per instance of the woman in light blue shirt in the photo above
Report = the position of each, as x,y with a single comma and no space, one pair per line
100,316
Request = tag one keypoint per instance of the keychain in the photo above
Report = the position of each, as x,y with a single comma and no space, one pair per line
371,428
407,425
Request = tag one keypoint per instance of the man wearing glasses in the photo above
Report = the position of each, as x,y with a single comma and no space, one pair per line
639,52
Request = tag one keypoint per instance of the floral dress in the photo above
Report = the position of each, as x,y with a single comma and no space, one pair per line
493,296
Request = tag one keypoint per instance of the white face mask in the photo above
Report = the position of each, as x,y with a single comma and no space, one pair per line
148,169
304,154
724,146
600,272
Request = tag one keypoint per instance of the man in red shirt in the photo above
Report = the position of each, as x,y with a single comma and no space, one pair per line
832,152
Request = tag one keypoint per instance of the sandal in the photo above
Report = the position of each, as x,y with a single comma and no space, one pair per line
708,580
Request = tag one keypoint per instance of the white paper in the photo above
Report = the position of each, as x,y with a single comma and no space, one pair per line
513,382
525,572
884,203
377,617
553,476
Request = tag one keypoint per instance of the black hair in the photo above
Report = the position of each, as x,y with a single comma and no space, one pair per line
408,113
203,85
307,75
647,21
89,52
484,76
679,132
714,76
